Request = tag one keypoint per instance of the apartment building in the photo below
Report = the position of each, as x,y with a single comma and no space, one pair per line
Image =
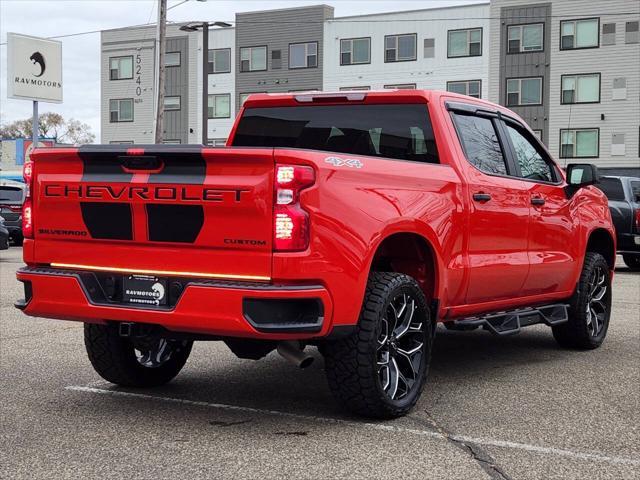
285,50
128,64
437,48
572,71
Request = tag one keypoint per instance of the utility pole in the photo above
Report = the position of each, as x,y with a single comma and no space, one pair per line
160,49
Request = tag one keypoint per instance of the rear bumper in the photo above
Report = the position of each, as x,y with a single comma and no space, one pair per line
226,309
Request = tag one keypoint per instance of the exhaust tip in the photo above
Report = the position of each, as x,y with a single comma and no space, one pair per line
293,351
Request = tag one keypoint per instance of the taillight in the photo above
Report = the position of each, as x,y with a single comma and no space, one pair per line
27,207
291,222
27,219
637,217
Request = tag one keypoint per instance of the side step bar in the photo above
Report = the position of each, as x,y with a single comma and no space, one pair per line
510,322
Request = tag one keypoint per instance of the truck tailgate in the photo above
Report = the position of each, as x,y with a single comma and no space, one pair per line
186,210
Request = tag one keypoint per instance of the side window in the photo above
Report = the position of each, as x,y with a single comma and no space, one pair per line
529,157
480,142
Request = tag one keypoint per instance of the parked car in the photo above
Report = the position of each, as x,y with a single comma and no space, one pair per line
4,235
623,194
12,195
353,221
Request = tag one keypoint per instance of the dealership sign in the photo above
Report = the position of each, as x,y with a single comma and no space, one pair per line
34,68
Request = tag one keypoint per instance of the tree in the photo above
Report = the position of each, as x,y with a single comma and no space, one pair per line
51,125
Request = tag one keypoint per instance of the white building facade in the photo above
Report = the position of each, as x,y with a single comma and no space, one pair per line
440,48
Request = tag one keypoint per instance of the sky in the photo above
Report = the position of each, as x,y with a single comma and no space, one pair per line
81,54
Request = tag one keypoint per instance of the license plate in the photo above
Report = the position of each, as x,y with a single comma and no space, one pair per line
144,290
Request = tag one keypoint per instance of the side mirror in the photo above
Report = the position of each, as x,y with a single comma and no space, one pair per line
582,174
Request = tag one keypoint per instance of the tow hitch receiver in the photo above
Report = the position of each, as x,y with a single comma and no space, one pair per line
508,323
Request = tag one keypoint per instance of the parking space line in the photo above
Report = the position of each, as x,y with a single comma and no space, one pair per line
593,456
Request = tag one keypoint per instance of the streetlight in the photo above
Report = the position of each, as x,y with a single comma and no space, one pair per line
193,27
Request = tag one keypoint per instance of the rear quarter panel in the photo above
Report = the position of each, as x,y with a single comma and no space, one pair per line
354,209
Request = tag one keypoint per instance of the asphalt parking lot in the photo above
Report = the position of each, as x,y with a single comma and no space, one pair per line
517,407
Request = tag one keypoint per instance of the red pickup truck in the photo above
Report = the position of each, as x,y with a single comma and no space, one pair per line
350,221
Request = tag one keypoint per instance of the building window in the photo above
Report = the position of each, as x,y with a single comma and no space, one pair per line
348,89
121,68
631,32
219,106
584,88
219,60
429,47
579,143
464,43
524,91
172,103
579,33
401,86
619,89
121,142
172,142
253,59
525,38
471,88
355,50
608,34
121,110
172,59
217,142
303,55
400,48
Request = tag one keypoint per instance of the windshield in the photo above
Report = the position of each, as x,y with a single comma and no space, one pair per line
392,131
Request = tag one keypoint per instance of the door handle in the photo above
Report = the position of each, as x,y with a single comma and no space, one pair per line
537,201
481,197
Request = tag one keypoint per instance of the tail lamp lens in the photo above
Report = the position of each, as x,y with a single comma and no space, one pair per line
27,207
291,222
638,220
27,219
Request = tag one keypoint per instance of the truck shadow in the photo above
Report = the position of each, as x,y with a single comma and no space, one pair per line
274,384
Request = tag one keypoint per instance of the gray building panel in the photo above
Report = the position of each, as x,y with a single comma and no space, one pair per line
177,84
277,29
527,64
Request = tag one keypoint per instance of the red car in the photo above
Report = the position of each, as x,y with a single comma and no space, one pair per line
352,221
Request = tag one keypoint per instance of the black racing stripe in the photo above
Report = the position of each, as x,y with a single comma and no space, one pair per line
174,223
109,221
181,168
103,166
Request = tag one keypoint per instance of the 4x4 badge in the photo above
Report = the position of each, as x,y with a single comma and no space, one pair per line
344,162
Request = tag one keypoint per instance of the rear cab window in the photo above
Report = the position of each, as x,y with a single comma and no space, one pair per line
611,187
397,131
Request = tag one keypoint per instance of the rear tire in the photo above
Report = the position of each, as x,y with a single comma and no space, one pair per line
148,363
632,261
590,307
379,371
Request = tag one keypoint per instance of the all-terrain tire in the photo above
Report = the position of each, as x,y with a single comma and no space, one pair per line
351,363
114,358
577,333
632,261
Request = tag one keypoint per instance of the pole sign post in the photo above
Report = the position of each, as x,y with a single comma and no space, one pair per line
34,70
